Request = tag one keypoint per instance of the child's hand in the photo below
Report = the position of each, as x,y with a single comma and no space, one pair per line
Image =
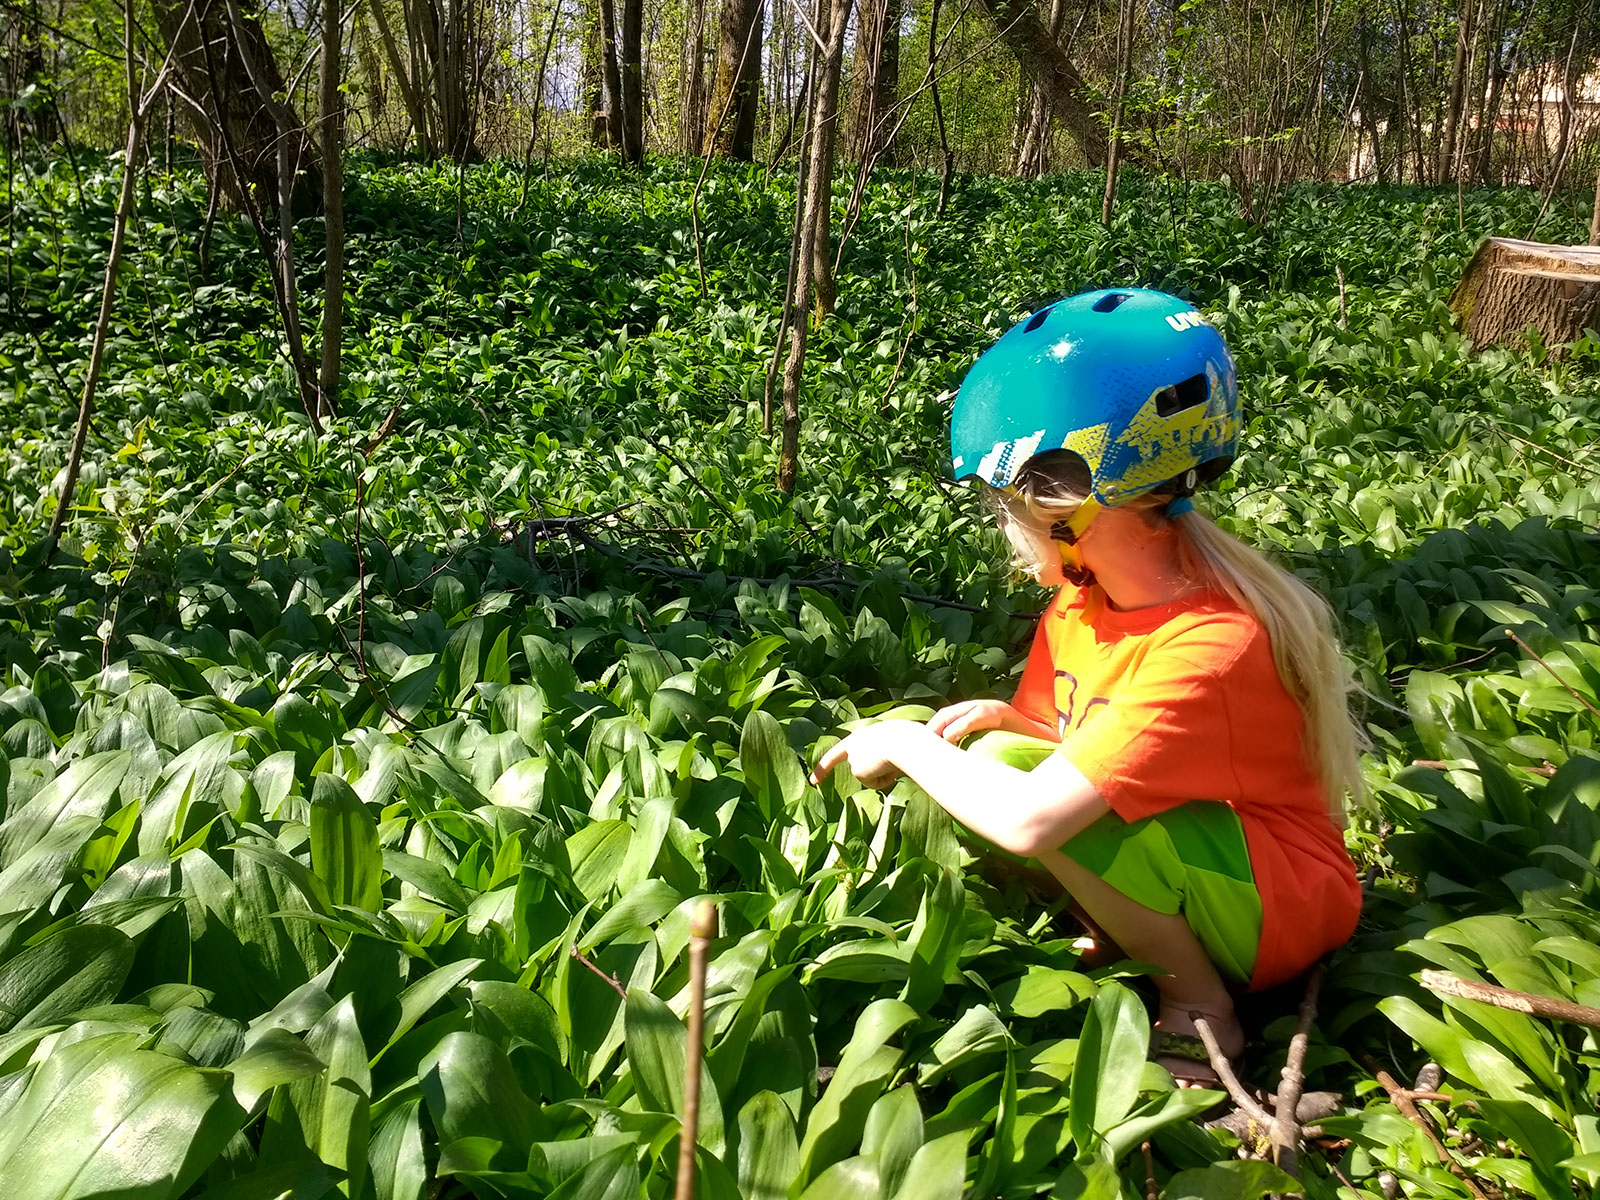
955,721
870,754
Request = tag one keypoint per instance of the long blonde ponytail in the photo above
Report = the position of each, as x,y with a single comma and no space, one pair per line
1298,622
1300,627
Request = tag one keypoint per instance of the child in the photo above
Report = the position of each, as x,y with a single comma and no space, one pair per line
1179,748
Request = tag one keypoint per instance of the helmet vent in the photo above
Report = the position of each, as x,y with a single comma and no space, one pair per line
1038,319
1112,302
1192,391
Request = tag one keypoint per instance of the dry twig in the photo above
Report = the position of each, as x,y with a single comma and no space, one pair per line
701,932
610,979
1285,1123
1447,984
1405,1102
1224,1070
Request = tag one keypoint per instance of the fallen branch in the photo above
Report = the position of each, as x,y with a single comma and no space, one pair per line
701,931
1285,1134
1524,1002
1224,1070
1405,1102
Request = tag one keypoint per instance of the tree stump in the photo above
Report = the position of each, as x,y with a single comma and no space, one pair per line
1511,285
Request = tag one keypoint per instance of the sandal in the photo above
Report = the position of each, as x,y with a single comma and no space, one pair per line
1185,1047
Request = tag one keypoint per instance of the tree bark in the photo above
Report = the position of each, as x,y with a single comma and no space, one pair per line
818,170
611,72
229,81
630,70
1026,36
138,110
825,128
1512,285
593,77
738,80
875,78
332,205
1124,67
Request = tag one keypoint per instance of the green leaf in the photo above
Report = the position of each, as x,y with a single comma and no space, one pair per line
395,1156
1110,1062
274,1058
892,1135
851,1179
84,789
657,1045
937,1171
836,1122
78,967
422,995
769,1153
344,845
977,1033
1234,1180
102,1117
642,905
333,1107
472,1091
771,767
302,1180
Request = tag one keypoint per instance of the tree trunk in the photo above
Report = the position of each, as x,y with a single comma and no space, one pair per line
611,73
1124,67
818,170
1040,58
230,82
1035,133
825,126
875,78
593,79
630,70
1511,285
1458,83
332,122
137,109
737,90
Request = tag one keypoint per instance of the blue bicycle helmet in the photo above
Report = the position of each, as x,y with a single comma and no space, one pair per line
1133,381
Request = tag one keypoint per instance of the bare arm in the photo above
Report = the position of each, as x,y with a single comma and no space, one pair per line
1024,812
955,721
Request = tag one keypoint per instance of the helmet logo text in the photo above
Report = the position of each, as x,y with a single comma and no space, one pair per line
1185,320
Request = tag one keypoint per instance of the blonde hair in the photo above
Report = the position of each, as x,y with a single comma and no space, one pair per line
1298,622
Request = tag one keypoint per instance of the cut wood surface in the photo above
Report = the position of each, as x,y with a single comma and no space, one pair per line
1511,285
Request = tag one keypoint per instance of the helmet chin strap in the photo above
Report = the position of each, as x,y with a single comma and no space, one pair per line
1067,533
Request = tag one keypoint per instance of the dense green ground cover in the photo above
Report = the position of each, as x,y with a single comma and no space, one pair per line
308,803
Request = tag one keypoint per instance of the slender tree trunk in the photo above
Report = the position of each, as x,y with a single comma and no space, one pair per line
611,72
691,117
593,79
332,205
1458,84
813,248
1031,153
1124,66
409,95
630,68
823,139
138,107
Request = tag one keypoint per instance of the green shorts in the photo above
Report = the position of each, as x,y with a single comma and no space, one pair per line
1190,859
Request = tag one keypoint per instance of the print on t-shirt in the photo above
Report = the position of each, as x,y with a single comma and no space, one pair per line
1066,703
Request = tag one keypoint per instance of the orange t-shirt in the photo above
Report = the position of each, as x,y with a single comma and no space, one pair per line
1158,706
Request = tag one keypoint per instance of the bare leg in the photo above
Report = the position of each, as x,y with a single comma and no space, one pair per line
1192,983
